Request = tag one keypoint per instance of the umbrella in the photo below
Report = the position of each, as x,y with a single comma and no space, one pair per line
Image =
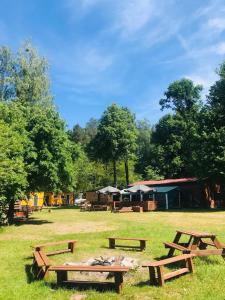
140,188
109,189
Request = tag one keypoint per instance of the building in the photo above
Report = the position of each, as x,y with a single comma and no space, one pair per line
186,193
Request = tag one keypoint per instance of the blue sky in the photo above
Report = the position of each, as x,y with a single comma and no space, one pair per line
123,51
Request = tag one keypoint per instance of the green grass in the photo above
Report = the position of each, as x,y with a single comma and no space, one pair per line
91,230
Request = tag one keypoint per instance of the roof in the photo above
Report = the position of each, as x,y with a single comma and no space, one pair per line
166,181
165,189
139,187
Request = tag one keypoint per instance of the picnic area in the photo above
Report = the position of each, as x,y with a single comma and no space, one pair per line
87,235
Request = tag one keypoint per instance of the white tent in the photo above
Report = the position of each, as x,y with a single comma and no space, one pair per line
141,188
109,190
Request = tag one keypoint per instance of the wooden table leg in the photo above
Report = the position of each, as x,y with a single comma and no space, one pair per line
152,276
142,245
189,265
176,240
160,273
112,243
218,246
118,281
61,277
71,246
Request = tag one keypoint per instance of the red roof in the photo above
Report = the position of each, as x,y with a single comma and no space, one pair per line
166,181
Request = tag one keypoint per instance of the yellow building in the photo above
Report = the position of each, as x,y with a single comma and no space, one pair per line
52,199
35,199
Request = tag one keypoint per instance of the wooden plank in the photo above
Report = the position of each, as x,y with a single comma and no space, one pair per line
168,260
45,259
127,246
196,233
55,243
176,273
38,259
175,246
58,252
208,252
90,268
128,239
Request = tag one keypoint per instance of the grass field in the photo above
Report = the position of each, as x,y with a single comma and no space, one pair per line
91,230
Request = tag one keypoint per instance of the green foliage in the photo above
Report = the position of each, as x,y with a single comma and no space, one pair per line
116,136
182,96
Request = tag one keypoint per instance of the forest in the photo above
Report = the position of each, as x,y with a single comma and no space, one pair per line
39,153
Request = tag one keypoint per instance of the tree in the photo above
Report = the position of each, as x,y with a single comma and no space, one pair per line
115,138
13,142
181,96
7,84
211,152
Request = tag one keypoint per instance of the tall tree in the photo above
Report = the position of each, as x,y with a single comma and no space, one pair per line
182,96
116,137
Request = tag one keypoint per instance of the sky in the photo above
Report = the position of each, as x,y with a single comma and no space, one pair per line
118,51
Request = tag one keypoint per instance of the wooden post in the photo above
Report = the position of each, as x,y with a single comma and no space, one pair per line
167,202
179,200
189,265
118,281
111,243
152,276
160,275
71,246
142,245
176,240
61,276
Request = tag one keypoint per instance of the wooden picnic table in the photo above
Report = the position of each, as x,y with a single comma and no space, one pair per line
197,244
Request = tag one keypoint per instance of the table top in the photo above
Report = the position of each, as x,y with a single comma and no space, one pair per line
197,233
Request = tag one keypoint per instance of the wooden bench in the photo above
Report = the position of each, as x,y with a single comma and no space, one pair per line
41,265
117,271
125,209
157,267
71,246
141,247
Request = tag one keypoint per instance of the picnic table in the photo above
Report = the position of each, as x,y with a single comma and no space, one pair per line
197,244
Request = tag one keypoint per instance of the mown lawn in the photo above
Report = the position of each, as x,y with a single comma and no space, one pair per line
91,230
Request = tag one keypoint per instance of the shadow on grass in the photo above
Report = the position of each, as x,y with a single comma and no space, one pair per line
29,273
192,210
32,221
86,285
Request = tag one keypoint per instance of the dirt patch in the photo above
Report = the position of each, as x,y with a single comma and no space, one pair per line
80,227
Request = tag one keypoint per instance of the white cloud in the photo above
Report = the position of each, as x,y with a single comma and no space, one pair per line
220,48
134,15
217,23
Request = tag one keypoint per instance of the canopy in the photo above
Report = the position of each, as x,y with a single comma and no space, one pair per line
124,192
140,188
165,189
109,189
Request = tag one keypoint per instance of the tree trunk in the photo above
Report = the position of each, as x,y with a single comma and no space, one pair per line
126,165
10,214
114,174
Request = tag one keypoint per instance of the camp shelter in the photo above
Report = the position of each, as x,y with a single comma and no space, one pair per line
53,199
68,198
167,197
35,199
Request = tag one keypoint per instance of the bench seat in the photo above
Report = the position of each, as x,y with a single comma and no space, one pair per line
157,267
62,273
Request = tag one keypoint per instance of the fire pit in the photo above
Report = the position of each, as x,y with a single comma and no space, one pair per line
124,261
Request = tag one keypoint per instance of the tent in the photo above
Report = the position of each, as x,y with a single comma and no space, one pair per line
167,196
141,188
109,190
